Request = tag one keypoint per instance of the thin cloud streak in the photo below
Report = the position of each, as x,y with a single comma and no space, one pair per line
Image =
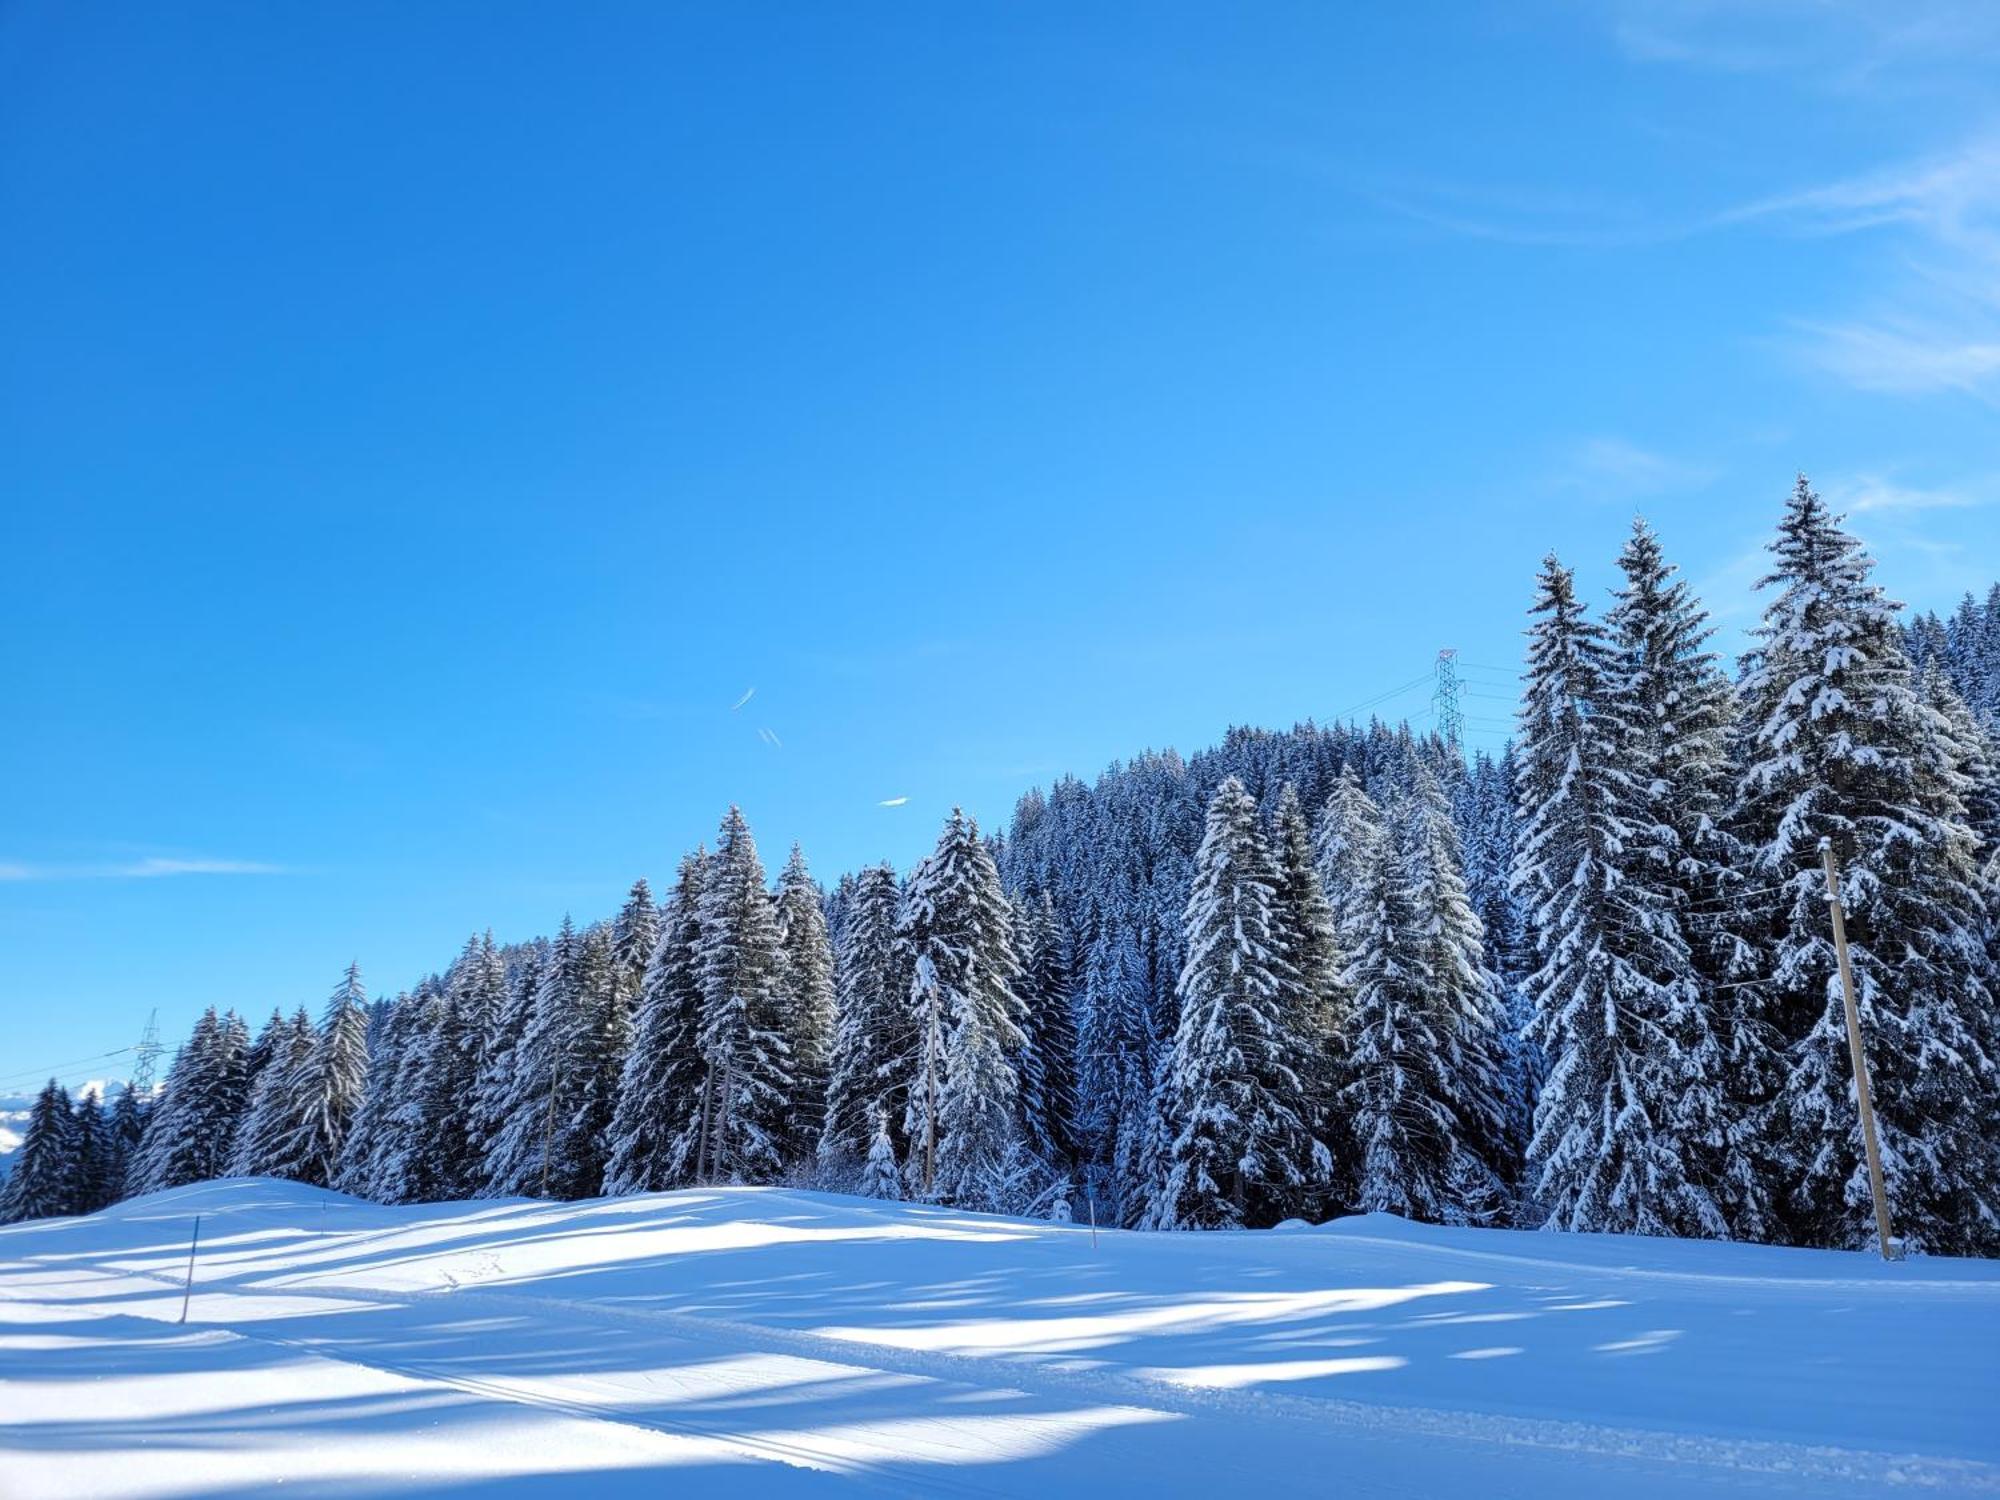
155,868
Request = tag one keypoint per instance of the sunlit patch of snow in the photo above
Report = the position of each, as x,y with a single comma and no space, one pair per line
1238,1377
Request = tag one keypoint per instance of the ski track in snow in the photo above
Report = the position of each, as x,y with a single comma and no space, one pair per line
404,1281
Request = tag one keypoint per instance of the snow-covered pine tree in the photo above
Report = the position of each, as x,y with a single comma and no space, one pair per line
1118,1057
97,1170
524,1158
1841,748
871,1022
880,1176
1616,996
268,1043
747,1098
1315,999
954,935
592,1042
127,1127
1230,1093
1397,1099
1969,747
1445,946
1048,1053
1344,853
265,1138
371,1155
43,1181
1970,655
499,1077
1675,710
477,988
192,1126
330,1082
656,1127
635,933
1490,837
806,1001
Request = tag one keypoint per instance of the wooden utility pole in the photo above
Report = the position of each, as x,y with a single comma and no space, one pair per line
549,1128
930,1100
1860,1058
720,1127
707,1099
187,1290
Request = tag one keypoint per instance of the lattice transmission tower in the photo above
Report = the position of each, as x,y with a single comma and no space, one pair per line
1445,700
145,1055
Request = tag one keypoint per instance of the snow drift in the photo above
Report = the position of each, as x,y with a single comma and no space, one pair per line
763,1340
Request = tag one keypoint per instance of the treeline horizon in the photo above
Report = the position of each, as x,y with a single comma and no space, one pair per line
1586,983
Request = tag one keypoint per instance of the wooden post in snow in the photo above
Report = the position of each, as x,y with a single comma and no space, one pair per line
187,1290
1862,1093
549,1128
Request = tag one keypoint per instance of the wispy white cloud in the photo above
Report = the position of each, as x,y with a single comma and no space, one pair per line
151,868
1933,324
1866,494
1615,468
1844,45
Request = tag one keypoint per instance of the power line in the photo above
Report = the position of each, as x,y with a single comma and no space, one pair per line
49,1070
1396,692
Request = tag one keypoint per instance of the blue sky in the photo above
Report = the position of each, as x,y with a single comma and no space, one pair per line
419,424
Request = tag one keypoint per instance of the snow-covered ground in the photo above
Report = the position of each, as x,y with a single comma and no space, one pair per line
767,1341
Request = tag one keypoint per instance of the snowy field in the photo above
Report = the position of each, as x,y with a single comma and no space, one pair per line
762,1341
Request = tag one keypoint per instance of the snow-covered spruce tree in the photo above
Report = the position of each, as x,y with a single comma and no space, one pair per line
1404,1059
1048,1053
371,1157
806,1001
1117,1110
1315,998
1344,853
655,1128
1617,999
1841,748
43,1181
499,1076
1230,1093
635,933
747,1096
98,1169
871,1020
1675,711
593,1048
268,1043
126,1124
955,938
1490,826
265,1138
880,1176
1447,948
192,1126
330,1082
1972,656
1969,747
452,1153
525,1158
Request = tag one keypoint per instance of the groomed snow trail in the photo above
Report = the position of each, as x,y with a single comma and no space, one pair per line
763,1340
